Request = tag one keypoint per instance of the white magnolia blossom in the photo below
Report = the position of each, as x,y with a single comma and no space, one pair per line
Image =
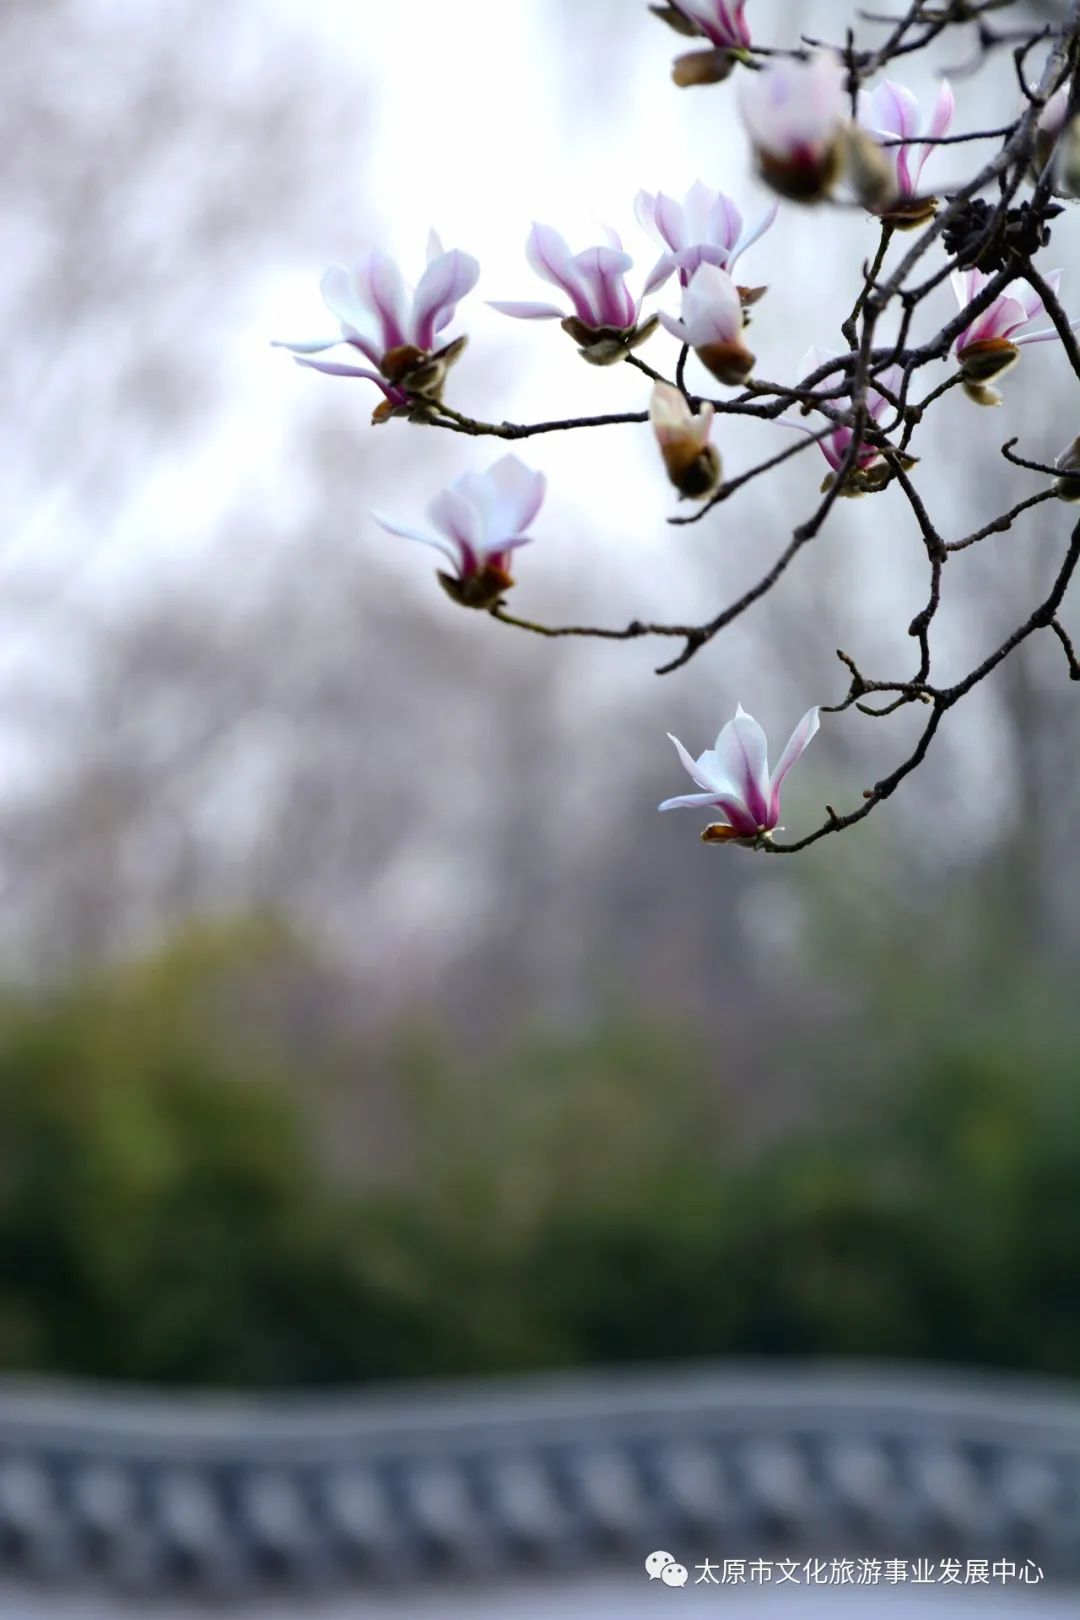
478,520
734,778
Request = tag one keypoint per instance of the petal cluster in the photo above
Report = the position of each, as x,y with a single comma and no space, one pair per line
478,520
594,281
705,228
991,343
735,780
393,325
891,112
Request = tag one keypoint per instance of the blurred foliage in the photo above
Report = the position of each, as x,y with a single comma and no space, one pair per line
167,1211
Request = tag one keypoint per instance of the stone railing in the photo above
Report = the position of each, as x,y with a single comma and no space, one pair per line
152,1491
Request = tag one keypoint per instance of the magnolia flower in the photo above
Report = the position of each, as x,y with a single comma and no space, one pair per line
991,345
892,112
480,518
693,464
721,22
735,778
835,446
604,322
393,326
796,115
712,324
705,228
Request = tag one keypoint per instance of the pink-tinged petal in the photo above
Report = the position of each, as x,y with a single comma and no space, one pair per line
751,235
455,516
718,795
676,328
435,248
660,272
690,801
604,299
645,212
711,309
334,368
392,526
895,114
671,222
1004,316
550,257
742,752
313,346
508,496
796,745
827,446
381,284
814,358
1044,336
1027,295
341,296
693,767
527,311
698,213
445,281
965,285
940,123
1052,116
895,111
690,259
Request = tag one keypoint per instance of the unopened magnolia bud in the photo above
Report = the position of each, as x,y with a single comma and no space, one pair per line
987,358
675,19
1068,487
869,172
695,473
1066,166
729,363
703,67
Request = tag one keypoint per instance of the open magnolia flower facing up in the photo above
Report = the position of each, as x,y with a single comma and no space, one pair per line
394,327
480,519
722,22
891,112
605,319
991,344
712,324
693,464
870,470
735,779
796,115
705,228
